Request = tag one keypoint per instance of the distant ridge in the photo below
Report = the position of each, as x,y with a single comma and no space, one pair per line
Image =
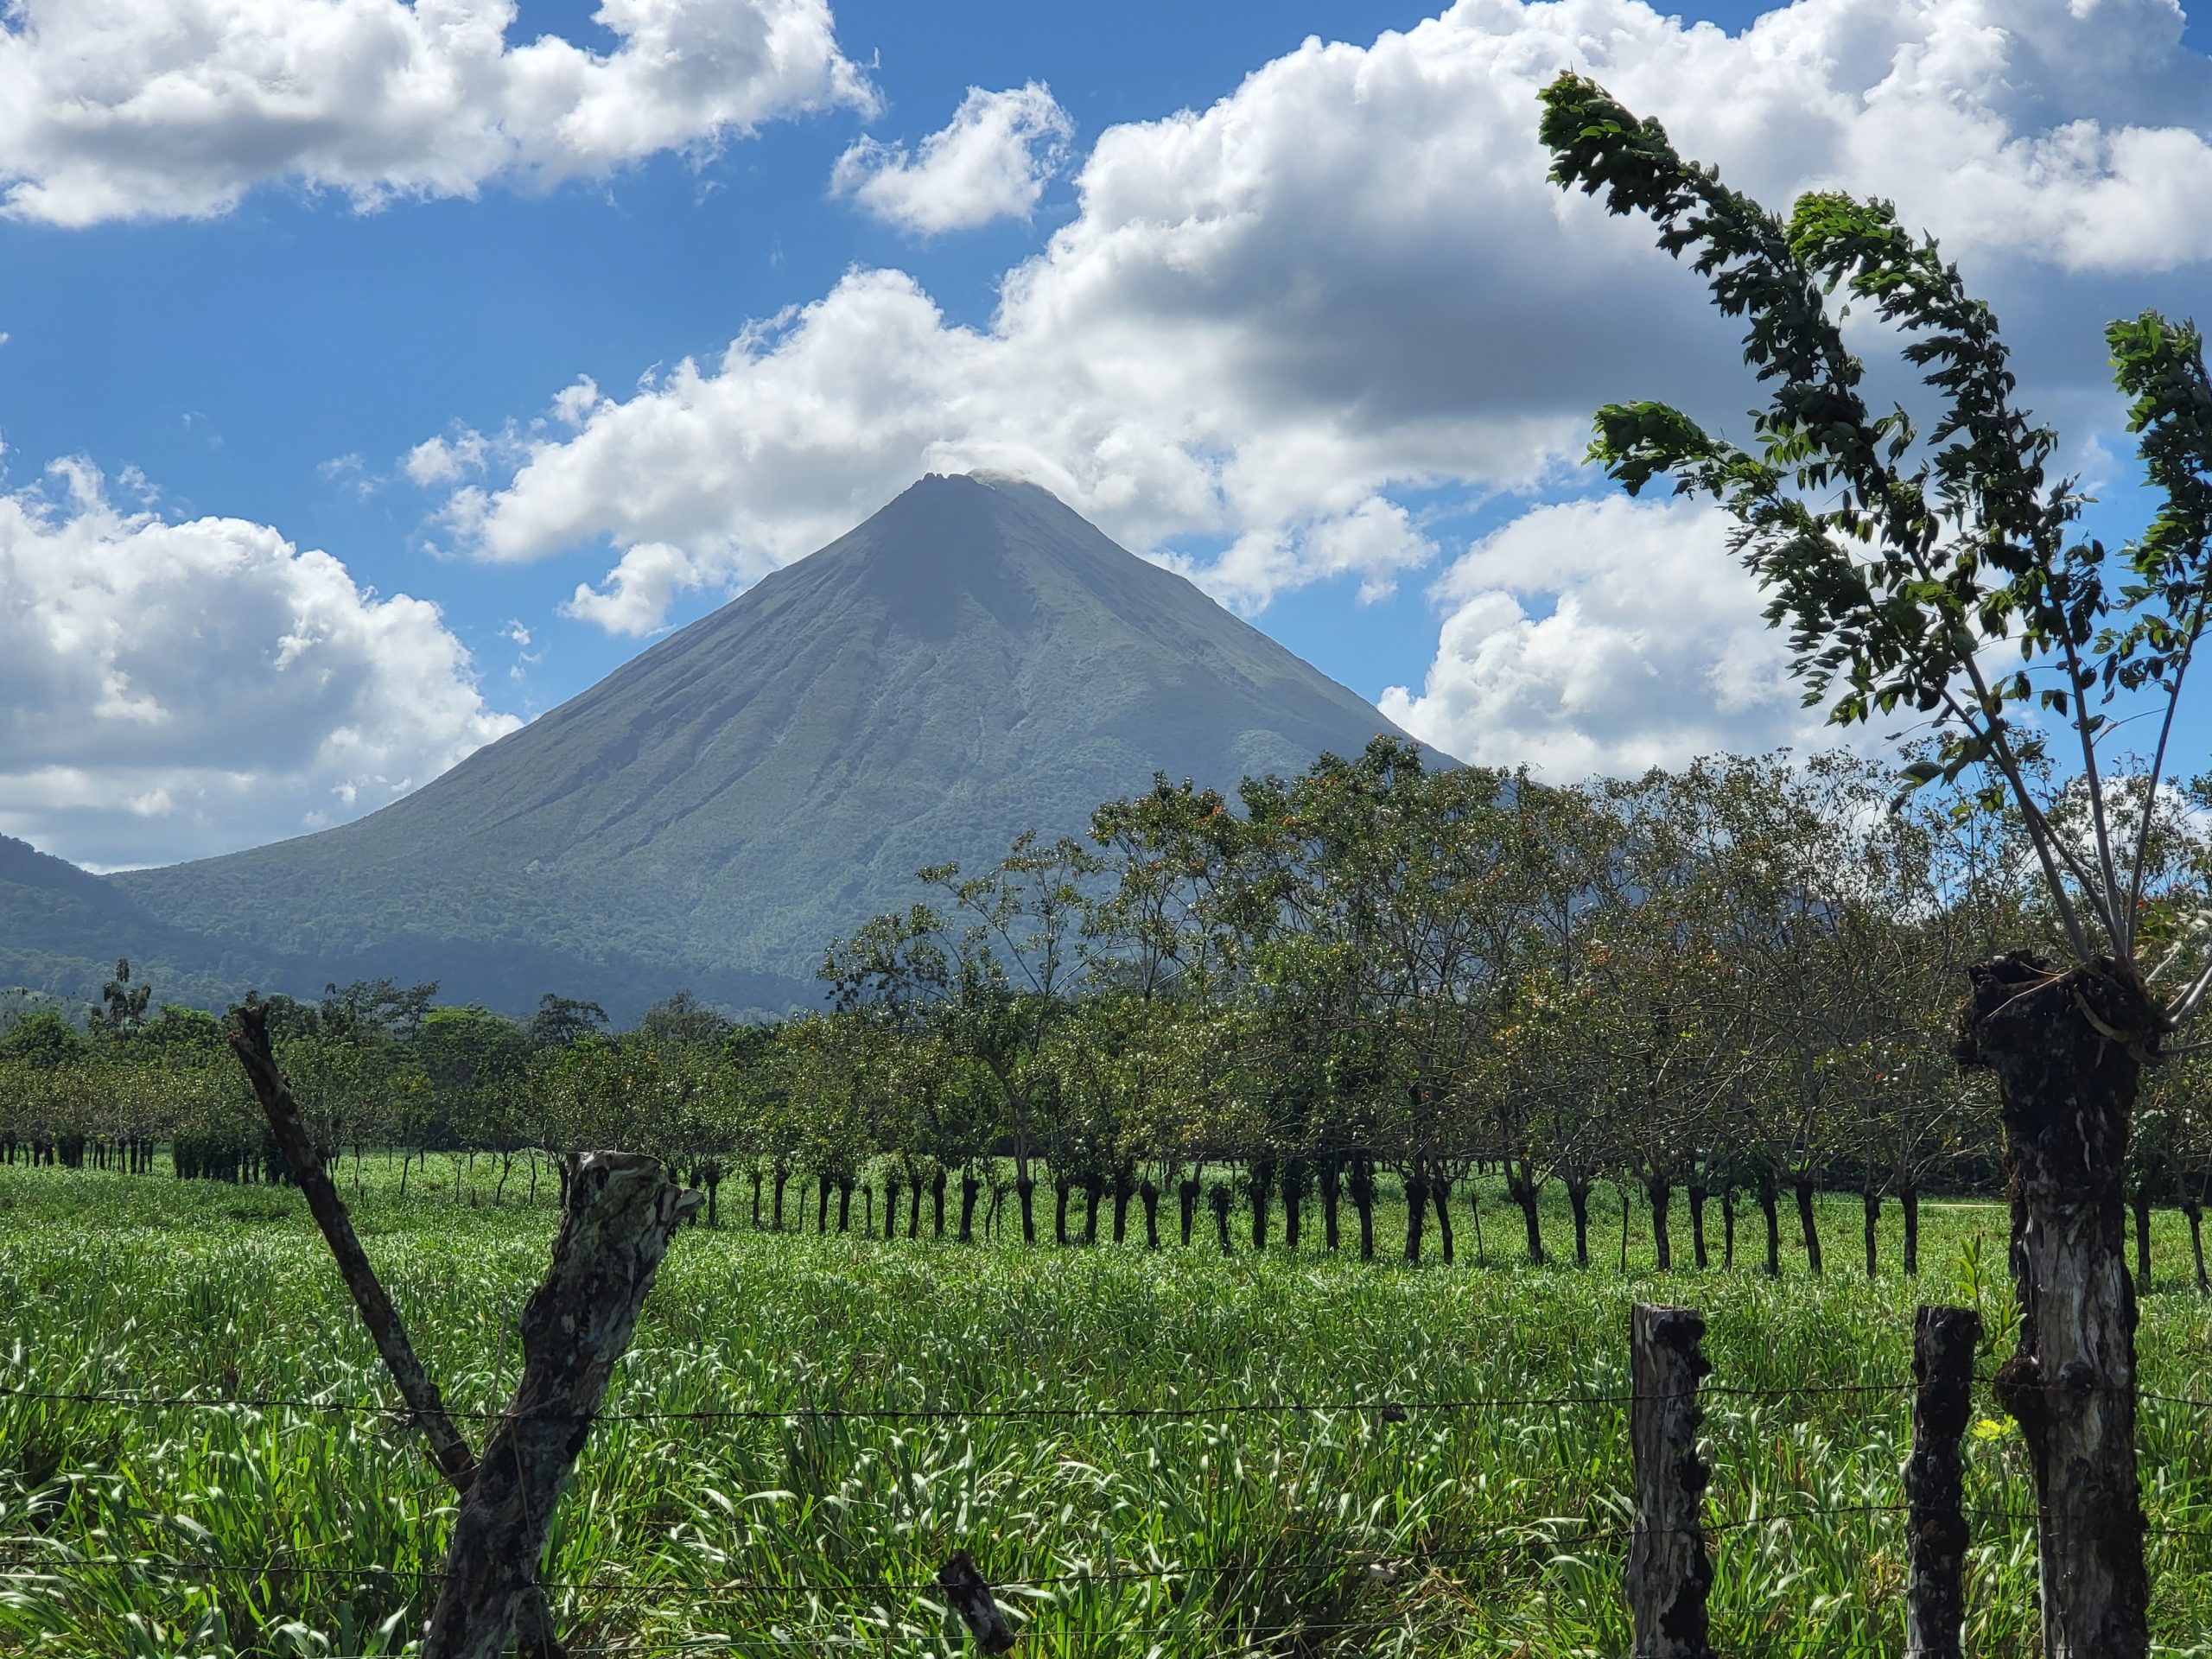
974,659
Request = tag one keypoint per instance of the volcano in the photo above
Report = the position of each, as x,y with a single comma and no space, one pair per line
973,660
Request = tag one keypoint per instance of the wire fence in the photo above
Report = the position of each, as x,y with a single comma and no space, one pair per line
1385,1408
29,1565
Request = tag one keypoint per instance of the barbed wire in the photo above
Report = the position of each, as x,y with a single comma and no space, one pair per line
1389,1409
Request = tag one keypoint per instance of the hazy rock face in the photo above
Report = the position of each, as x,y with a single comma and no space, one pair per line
973,660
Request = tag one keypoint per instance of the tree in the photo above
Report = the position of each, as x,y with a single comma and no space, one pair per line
682,1020
561,1020
989,974
472,1058
1902,568
375,1009
42,1038
122,1007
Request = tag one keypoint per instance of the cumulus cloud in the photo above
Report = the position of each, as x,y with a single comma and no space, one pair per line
130,109
992,162
445,461
208,676
1604,635
1270,319
635,597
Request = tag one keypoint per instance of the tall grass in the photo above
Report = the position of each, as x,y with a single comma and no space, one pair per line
1361,1516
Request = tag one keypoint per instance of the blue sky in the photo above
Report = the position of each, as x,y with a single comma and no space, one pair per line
1325,343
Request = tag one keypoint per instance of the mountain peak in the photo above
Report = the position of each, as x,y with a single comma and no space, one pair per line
973,660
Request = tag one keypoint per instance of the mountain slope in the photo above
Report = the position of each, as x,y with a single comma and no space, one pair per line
62,929
974,659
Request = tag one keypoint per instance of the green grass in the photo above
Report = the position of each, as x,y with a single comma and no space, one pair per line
1331,1531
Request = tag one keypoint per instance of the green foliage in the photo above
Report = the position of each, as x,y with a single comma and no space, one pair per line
1896,560
561,1020
122,1007
42,1038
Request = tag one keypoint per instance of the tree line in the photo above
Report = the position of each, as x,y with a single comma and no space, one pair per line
1720,987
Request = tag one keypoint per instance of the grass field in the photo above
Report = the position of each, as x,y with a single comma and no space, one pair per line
1490,1528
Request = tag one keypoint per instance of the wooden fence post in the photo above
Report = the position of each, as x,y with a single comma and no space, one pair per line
1943,1340
970,1596
622,1211
249,1038
1669,1568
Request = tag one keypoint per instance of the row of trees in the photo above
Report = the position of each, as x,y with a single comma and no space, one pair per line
1734,982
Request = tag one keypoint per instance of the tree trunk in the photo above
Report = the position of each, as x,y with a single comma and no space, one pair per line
783,1180
1936,1537
1025,1191
937,1201
1125,1187
1728,1225
531,1618
845,1204
1577,1200
1187,1194
971,1190
1148,1194
575,1327
1869,1200
822,1184
1093,1195
1417,1214
1909,1203
1769,1206
1220,1200
1331,1189
1698,1195
1061,1188
1440,1193
914,1210
1363,1201
1669,1560
1807,1225
2068,1090
1258,1188
890,1207
1294,1198
1522,1191
2195,1211
1660,1191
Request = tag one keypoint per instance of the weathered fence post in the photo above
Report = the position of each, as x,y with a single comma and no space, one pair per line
1669,1568
971,1596
1943,1340
622,1211
449,1451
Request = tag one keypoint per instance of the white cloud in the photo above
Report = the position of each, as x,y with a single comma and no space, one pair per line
993,161
441,461
130,109
1350,278
208,676
635,597
1604,635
